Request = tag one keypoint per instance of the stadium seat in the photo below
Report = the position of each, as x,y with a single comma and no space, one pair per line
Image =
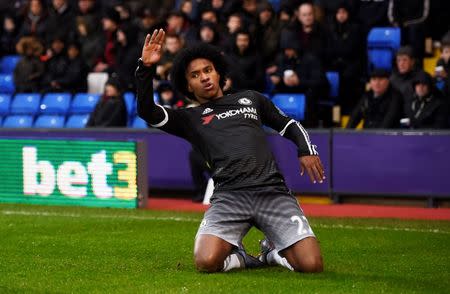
49,121
8,63
380,58
7,83
292,105
333,80
77,121
384,38
84,103
18,121
5,102
139,123
26,103
130,103
56,103
96,82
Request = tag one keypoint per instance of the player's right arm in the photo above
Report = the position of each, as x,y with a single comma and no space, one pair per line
155,115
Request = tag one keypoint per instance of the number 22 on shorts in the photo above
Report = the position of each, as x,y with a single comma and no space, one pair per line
303,226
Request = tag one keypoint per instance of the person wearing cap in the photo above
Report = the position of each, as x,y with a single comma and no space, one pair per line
56,65
380,107
300,72
427,109
110,110
405,72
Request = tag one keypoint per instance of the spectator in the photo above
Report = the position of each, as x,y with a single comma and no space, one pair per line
267,33
108,59
190,9
111,110
300,72
177,23
172,45
380,107
207,33
61,21
345,56
234,24
56,65
312,36
127,53
246,65
30,69
75,78
426,109
168,97
90,41
8,36
442,70
410,16
88,13
148,21
372,13
405,73
35,21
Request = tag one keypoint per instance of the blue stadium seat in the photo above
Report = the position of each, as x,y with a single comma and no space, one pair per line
139,123
380,58
49,121
84,103
130,103
333,80
384,38
7,83
56,103
293,105
8,63
27,103
77,121
5,102
18,121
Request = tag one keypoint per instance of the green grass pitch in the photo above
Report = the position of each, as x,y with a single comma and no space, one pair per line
47,249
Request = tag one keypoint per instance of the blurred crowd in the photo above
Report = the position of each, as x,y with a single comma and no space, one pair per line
272,47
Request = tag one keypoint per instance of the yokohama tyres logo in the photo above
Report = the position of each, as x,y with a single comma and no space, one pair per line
248,112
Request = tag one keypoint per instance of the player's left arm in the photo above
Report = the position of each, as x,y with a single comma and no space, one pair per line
291,129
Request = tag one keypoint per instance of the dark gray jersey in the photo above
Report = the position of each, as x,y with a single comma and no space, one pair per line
229,133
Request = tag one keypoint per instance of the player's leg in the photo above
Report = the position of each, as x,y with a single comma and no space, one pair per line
292,242
210,253
218,241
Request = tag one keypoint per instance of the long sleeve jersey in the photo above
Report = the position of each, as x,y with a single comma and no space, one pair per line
228,131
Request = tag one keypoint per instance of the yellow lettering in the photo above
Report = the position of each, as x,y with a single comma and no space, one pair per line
127,175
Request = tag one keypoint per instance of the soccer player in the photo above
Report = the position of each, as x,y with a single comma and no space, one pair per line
249,189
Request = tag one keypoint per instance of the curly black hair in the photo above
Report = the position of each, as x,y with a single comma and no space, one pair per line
182,60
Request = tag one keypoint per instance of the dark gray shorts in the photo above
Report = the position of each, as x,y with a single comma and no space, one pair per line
274,211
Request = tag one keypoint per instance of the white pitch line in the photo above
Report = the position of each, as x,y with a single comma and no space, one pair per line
187,219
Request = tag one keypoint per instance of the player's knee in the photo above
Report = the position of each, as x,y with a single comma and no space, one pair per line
310,264
208,263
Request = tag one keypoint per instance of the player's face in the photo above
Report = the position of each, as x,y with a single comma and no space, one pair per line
203,80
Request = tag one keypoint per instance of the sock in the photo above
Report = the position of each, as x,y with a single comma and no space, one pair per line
274,258
232,261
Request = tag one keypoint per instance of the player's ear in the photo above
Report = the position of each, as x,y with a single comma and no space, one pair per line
190,88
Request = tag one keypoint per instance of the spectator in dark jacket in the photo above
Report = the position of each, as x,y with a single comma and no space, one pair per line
312,36
107,61
427,109
147,22
127,54
345,56
410,16
380,107
300,72
56,65
267,33
111,110
35,21
75,78
247,71
8,35
30,69
405,73
91,43
172,45
61,21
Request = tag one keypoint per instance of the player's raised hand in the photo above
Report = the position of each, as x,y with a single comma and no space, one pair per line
314,168
152,50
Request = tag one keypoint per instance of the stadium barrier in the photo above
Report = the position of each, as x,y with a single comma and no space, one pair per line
390,163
